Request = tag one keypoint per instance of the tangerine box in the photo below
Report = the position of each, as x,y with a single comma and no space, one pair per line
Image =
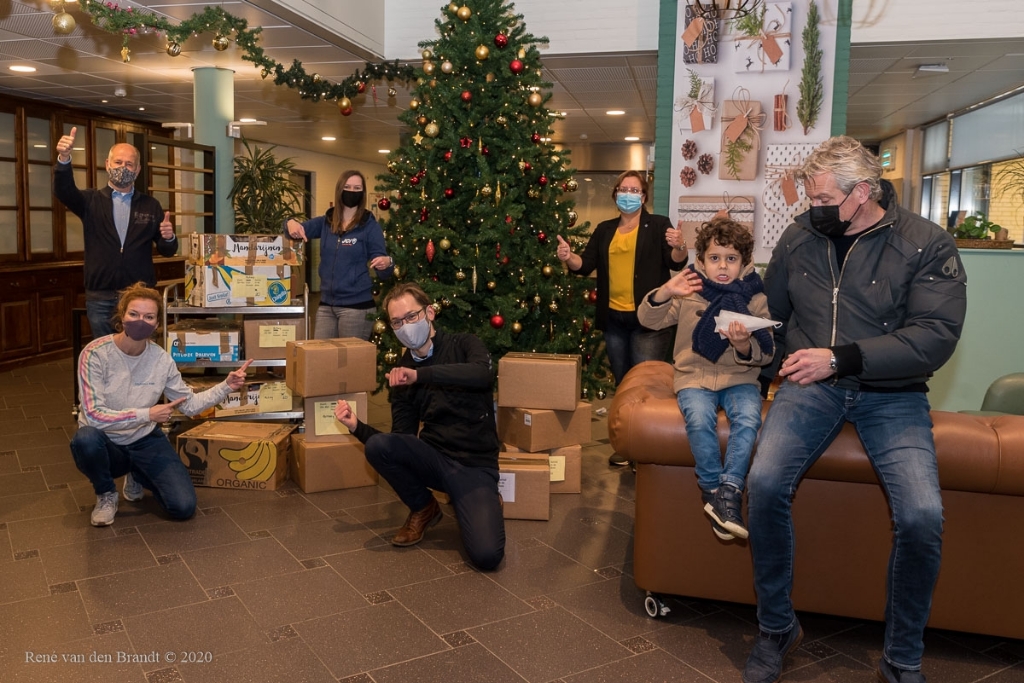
244,250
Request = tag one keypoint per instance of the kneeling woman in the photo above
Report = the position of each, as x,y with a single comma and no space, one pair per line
122,376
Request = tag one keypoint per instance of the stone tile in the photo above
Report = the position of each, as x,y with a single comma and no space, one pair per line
9,463
11,414
375,637
459,602
6,552
278,512
209,497
344,499
62,473
291,598
22,580
1013,674
48,437
655,666
130,593
469,664
385,519
89,659
34,505
215,626
384,567
46,410
42,624
46,532
237,562
28,425
326,537
540,570
284,660
95,558
544,645
202,531
55,454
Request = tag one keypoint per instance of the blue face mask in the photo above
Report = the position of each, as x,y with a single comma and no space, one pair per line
628,203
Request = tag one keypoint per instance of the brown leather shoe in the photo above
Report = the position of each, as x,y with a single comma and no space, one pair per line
411,532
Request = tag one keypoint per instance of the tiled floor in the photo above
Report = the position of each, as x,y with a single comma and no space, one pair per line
286,586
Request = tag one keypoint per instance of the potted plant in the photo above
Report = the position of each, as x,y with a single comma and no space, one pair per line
1010,180
974,233
263,194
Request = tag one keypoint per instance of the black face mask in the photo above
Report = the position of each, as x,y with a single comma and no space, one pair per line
825,219
351,199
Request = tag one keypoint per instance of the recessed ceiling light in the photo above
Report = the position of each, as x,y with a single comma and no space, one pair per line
588,180
39,146
631,138
104,101
384,151
328,138
615,112
142,109
247,120
20,68
545,139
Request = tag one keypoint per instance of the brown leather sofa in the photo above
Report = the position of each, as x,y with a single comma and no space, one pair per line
840,514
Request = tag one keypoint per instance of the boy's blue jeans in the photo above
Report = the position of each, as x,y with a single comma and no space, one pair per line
742,405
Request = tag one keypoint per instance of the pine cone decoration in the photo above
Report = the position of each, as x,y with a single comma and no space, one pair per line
689,149
705,163
688,176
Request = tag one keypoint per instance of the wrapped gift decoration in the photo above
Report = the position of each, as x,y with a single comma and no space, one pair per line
700,39
695,211
695,111
742,123
769,47
783,197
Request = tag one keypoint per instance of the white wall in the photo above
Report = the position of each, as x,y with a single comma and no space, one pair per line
899,21
572,26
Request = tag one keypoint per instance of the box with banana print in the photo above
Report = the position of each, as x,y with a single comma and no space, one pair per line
236,455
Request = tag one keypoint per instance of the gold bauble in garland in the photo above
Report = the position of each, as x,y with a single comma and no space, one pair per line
517,327
428,68
173,49
379,327
460,276
447,67
344,103
414,104
535,99
317,78
63,23
482,52
492,285
431,130
548,271
220,43
392,92
445,244
464,13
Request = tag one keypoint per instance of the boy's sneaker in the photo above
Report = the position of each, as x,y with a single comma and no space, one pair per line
764,665
727,509
106,508
887,673
720,531
133,490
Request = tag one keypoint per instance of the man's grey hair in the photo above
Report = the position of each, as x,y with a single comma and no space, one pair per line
848,162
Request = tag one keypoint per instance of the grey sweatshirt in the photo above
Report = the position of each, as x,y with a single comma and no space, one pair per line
117,390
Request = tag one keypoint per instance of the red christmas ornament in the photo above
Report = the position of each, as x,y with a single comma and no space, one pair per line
565,187
516,66
505,260
592,296
586,326
347,111
542,238
501,40
414,180
448,155
360,87
485,151
527,167
449,193
465,143
535,138
430,251
435,278
542,181
466,96
384,204
508,219
423,214
497,321
422,173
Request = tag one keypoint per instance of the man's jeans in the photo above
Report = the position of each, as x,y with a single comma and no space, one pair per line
742,405
100,315
151,460
629,343
896,431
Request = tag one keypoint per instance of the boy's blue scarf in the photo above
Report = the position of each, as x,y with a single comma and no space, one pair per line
731,297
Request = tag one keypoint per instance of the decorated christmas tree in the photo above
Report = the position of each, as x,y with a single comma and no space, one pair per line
475,200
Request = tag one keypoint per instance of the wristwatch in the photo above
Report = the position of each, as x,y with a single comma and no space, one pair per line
832,364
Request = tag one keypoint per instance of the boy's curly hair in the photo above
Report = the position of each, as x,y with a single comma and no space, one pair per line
726,233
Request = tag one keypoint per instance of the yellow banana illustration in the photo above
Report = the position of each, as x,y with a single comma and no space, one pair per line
257,461
239,460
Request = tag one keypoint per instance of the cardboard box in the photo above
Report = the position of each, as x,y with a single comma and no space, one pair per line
222,286
191,341
539,380
524,485
244,250
267,338
262,396
321,367
539,430
236,455
565,464
330,466
321,425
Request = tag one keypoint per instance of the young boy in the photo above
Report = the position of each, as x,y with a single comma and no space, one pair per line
708,373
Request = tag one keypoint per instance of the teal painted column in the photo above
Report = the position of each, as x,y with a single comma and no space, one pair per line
667,16
841,78
213,96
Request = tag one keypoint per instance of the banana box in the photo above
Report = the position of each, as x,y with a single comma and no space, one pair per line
223,286
236,455
330,466
244,250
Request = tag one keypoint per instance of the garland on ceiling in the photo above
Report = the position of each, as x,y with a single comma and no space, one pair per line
129,24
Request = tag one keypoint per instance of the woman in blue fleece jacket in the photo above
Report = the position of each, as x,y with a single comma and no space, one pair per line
350,238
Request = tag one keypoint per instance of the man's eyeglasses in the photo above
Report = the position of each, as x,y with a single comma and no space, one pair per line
408,319
629,190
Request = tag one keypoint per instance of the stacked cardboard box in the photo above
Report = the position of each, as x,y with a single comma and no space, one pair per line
323,372
242,270
541,422
259,395
236,455
193,341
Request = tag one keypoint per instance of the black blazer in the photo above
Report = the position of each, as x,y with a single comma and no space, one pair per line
653,260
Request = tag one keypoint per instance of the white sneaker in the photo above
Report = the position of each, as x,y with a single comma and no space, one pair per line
133,490
106,508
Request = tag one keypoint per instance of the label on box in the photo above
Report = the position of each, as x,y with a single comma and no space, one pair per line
275,397
507,486
527,419
245,286
557,465
276,336
325,423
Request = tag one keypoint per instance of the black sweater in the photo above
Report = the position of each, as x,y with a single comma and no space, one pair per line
453,399
108,266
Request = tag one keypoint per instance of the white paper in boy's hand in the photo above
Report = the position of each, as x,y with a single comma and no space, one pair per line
752,323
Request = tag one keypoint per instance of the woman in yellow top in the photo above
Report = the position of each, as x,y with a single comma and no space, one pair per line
633,254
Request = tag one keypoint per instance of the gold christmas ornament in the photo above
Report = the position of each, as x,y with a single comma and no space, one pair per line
63,23
535,99
220,43
522,279
522,304
174,50
432,83
447,67
432,130
532,193
392,92
553,307
517,327
572,185
444,244
57,5
522,53
548,271
453,8
414,104
492,285
464,13
482,52
490,78
602,394
486,190
126,55
397,273
536,300
460,276
428,68
344,103
422,120
426,54
317,78
379,327
502,121
393,166
390,357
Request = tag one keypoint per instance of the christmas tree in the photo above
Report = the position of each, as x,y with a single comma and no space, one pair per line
477,197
